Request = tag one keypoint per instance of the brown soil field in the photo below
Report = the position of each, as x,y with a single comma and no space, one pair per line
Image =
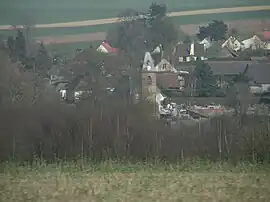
173,14
98,36
242,26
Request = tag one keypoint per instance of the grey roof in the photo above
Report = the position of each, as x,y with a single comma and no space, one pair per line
260,72
216,51
228,67
182,50
262,58
199,50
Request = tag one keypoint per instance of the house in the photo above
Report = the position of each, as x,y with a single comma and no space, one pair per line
206,43
257,72
158,73
189,52
170,80
104,47
259,75
254,43
226,70
266,36
154,62
232,44
266,39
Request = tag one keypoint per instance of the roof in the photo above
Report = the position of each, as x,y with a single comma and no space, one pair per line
206,42
182,50
148,62
228,67
259,58
260,72
266,35
232,43
199,50
252,42
108,47
167,79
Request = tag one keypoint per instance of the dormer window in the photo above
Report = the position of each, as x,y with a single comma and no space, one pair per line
164,66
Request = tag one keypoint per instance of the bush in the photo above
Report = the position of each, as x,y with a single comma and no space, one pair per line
115,128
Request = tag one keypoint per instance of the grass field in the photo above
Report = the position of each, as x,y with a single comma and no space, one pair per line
50,11
115,182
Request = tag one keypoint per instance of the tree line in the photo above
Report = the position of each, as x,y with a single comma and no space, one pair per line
30,54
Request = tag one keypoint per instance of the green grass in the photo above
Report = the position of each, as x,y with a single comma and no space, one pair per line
196,181
38,11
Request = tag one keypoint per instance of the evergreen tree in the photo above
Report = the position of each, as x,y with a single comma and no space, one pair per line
42,59
11,46
205,81
216,30
20,47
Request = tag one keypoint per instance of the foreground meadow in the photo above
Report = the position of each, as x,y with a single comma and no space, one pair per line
133,183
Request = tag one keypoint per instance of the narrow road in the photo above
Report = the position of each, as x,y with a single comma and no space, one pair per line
115,20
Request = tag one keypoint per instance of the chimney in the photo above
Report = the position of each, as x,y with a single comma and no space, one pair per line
192,49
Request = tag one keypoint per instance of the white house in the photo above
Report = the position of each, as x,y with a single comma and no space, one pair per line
232,43
254,43
104,47
206,43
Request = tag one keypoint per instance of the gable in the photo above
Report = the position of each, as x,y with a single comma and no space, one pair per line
232,43
148,62
164,65
106,48
102,49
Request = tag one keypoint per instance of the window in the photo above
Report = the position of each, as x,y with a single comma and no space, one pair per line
149,80
164,66
185,59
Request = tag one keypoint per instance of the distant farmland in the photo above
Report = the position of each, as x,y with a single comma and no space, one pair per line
52,11
182,20
46,12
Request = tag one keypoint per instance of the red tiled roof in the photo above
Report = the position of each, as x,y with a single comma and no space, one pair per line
266,34
109,48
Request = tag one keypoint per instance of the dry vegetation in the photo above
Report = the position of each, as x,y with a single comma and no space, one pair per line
36,124
137,183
